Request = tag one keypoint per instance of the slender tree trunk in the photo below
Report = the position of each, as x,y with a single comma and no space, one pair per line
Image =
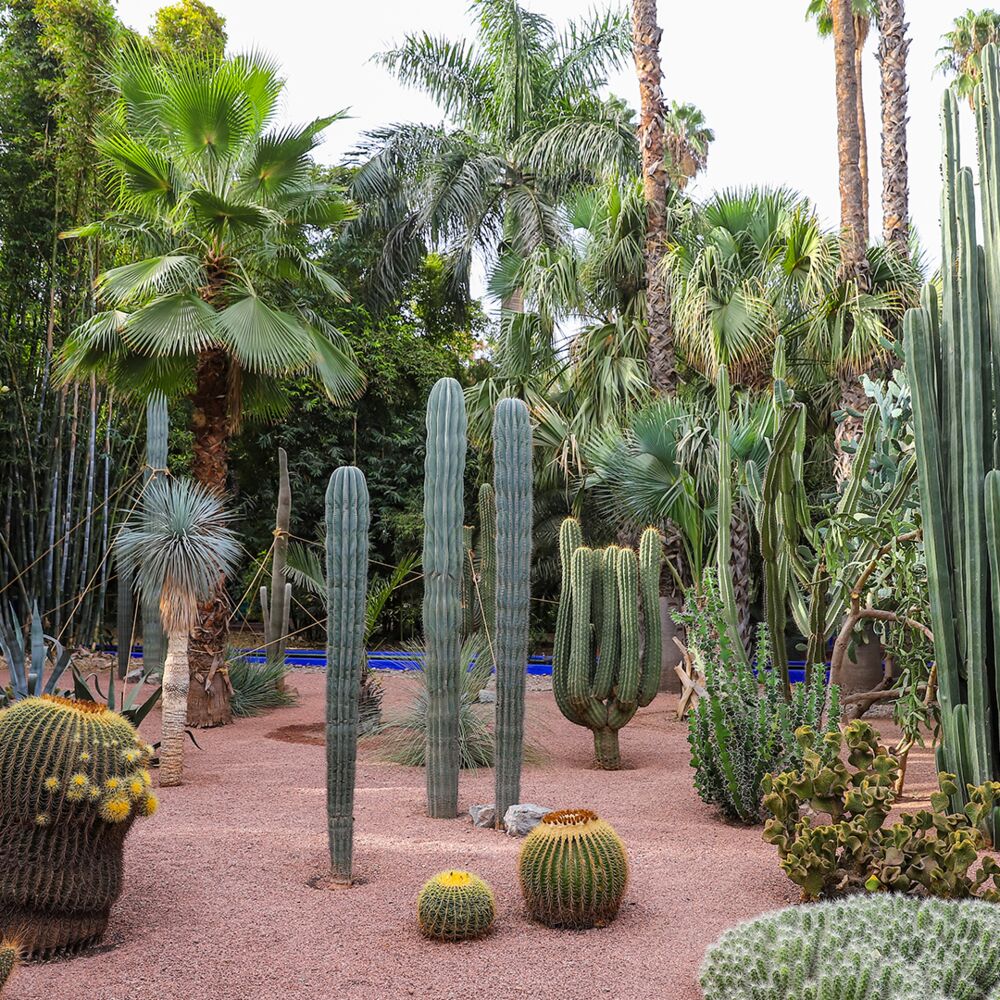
646,35
176,678
854,264
893,49
209,694
859,53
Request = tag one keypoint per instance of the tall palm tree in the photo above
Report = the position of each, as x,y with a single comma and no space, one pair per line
217,205
893,49
863,13
646,34
177,543
522,126
963,46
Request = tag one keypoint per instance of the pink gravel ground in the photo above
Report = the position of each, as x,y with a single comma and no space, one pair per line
217,902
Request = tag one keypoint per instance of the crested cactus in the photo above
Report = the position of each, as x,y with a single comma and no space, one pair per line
886,946
455,906
573,870
600,676
347,520
73,779
444,511
276,605
512,463
154,639
953,360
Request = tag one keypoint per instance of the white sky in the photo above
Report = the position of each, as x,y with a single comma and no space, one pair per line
758,71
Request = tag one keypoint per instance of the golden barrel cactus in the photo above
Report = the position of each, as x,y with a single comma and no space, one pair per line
73,779
454,906
573,870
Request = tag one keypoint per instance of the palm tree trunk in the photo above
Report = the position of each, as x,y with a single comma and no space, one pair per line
892,52
210,690
859,52
176,679
646,35
854,264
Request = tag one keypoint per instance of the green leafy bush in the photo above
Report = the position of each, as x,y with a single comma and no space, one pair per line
884,947
743,728
928,852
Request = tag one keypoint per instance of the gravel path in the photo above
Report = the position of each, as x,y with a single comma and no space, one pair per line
218,903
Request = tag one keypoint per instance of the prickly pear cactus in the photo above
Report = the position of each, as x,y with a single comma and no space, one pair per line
73,779
455,906
573,870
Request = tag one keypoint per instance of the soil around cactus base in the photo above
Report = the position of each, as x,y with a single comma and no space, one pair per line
217,903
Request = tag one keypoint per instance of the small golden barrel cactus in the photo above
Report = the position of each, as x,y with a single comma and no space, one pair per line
73,778
454,906
573,870
10,955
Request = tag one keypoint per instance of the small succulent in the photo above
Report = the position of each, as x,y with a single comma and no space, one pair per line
454,906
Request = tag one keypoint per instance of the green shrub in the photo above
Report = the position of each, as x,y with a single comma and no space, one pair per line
256,687
743,728
884,947
828,822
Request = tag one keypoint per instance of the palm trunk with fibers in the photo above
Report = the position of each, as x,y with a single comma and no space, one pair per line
892,52
854,263
646,46
176,679
860,37
210,691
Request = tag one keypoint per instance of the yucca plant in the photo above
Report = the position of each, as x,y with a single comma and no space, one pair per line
178,544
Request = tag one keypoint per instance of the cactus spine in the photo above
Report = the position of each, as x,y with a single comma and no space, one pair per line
953,368
600,676
277,608
347,520
154,639
512,465
444,511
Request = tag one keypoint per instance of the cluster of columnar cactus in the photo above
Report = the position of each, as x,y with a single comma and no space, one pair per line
600,675
887,946
455,906
347,521
952,357
276,604
573,870
73,779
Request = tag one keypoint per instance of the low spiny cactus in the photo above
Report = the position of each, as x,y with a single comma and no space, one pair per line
73,779
573,870
10,955
882,947
455,906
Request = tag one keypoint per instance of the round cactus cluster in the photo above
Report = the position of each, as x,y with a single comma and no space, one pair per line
573,870
885,946
454,906
73,778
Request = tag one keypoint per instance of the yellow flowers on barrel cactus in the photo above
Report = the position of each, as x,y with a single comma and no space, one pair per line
455,905
73,779
573,870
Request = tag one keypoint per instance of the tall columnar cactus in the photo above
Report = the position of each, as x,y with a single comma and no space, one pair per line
954,371
600,676
73,779
444,511
276,606
512,465
347,520
573,870
154,639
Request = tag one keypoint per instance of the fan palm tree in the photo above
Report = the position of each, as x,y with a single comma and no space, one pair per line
177,544
523,125
218,205
687,139
864,13
893,49
963,46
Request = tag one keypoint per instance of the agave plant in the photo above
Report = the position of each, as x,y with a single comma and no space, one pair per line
27,663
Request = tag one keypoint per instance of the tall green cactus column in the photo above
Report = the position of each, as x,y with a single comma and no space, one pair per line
444,512
276,605
154,639
347,520
512,472
953,369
